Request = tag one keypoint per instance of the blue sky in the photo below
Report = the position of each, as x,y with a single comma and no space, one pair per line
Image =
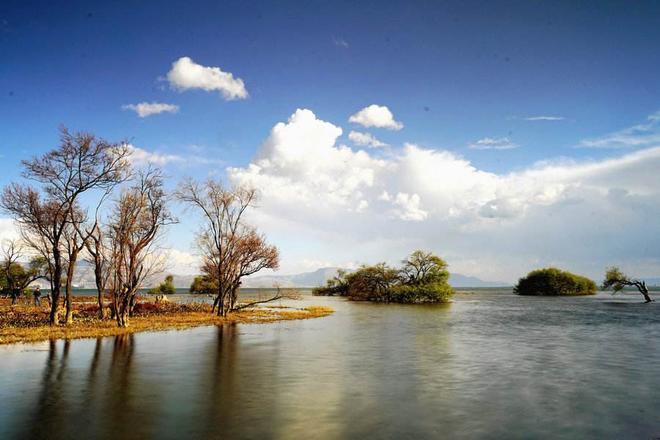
453,73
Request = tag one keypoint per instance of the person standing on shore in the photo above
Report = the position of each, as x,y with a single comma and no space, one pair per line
37,296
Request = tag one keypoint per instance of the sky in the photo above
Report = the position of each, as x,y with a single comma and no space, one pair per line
503,136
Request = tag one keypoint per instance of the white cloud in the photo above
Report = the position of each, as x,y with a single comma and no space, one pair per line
407,207
359,138
186,74
340,42
340,203
376,116
182,262
144,109
544,118
493,144
8,230
140,156
640,135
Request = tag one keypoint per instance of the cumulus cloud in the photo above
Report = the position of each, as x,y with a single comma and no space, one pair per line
8,230
185,74
488,143
376,116
182,262
344,203
359,138
640,135
144,109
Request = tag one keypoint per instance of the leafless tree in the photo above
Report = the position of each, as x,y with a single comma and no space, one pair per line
133,232
98,255
230,248
81,163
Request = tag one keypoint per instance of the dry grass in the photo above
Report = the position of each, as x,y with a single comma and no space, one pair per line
28,323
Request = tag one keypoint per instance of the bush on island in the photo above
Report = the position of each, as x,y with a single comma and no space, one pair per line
423,278
554,282
204,285
164,288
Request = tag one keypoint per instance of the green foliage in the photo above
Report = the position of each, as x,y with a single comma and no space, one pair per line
554,282
423,278
164,288
203,284
372,283
16,278
616,279
337,285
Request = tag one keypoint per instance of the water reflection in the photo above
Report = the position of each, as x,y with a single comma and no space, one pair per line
485,366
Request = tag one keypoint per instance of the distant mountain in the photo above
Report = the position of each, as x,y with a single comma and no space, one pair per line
85,278
306,279
461,281
320,276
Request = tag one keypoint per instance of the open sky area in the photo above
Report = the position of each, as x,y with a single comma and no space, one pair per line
502,136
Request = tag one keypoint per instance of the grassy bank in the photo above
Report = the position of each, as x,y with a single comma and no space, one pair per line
28,323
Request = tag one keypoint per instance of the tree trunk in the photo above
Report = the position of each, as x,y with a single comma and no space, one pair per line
69,284
57,284
645,294
98,274
122,315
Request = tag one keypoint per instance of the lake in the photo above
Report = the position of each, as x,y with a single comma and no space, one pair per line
489,365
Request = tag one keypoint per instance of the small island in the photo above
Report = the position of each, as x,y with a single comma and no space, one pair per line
554,282
423,278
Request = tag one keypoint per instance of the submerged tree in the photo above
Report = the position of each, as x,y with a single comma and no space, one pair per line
231,249
423,278
140,215
617,280
80,164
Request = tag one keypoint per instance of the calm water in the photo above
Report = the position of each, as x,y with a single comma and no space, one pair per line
490,365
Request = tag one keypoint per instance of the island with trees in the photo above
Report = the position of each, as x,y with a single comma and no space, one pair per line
422,278
554,282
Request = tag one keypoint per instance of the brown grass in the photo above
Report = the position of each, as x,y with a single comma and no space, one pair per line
28,323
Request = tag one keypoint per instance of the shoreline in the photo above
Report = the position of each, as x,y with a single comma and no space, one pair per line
22,324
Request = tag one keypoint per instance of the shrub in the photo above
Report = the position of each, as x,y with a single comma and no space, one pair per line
164,288
337,285
203,285
422,279
554,282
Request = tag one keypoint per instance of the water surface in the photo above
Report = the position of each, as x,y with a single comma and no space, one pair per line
490,365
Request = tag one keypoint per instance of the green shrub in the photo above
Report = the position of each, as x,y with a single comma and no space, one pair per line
554,282
164,288
204,285
422,279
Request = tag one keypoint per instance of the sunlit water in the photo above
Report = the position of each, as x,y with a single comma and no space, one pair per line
490,365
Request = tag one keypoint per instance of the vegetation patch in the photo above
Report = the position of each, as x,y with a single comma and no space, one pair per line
24,322
423,278
554,282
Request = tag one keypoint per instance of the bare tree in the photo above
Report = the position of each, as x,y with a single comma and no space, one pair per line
230,248
98,256
81,163
618,281
134,229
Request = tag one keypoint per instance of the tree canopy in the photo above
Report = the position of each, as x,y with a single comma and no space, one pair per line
554,282
617,280
423,278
